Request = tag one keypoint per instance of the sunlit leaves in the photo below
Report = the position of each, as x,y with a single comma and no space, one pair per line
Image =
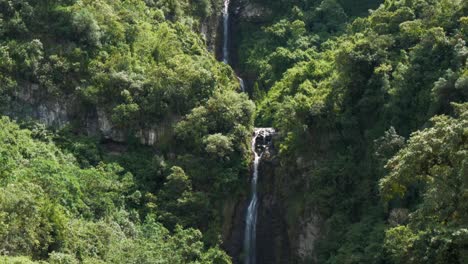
52,210
435,163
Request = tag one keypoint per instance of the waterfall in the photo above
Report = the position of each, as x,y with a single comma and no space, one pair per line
242,84
226,39
226,31
260,142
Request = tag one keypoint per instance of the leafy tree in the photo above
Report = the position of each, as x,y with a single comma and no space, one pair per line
435,162
54,211
218,145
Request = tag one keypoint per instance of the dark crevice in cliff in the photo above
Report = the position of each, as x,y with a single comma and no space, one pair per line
273,244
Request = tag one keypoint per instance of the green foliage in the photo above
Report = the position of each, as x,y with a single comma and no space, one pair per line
435,162
30,223
53,210
215,164
218,145
177,183
122,57
288,32
18,260
344,108
131,66
85,25
343,91
434,156
224,115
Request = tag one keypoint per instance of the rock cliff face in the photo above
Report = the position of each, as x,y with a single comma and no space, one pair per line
245,14
233,227
286,232
306,235
273,242
282,238
31,102
286,237
211,30
253,12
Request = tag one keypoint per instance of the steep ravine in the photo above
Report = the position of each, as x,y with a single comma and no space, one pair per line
272,239
242,13
278,239
281,237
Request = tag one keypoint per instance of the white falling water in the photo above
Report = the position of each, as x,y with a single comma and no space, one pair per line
226,32
242,84
250,236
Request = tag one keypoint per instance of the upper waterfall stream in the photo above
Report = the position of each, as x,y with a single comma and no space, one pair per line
226,31
226,34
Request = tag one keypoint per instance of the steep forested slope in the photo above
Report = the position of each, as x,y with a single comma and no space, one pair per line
131,142
117,82
345,97
52,209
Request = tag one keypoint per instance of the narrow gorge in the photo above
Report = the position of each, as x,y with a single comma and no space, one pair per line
273,246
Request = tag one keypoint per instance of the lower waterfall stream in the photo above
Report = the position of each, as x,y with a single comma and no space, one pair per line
260,143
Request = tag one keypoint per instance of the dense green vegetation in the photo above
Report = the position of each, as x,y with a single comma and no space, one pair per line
55,211
434,162
122,56
87,198
371,108
342,94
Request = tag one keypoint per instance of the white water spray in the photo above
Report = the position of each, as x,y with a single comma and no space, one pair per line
226,31
242,84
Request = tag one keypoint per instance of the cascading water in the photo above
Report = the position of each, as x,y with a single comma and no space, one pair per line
260,142
242,84
226,39
250,236
226,31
